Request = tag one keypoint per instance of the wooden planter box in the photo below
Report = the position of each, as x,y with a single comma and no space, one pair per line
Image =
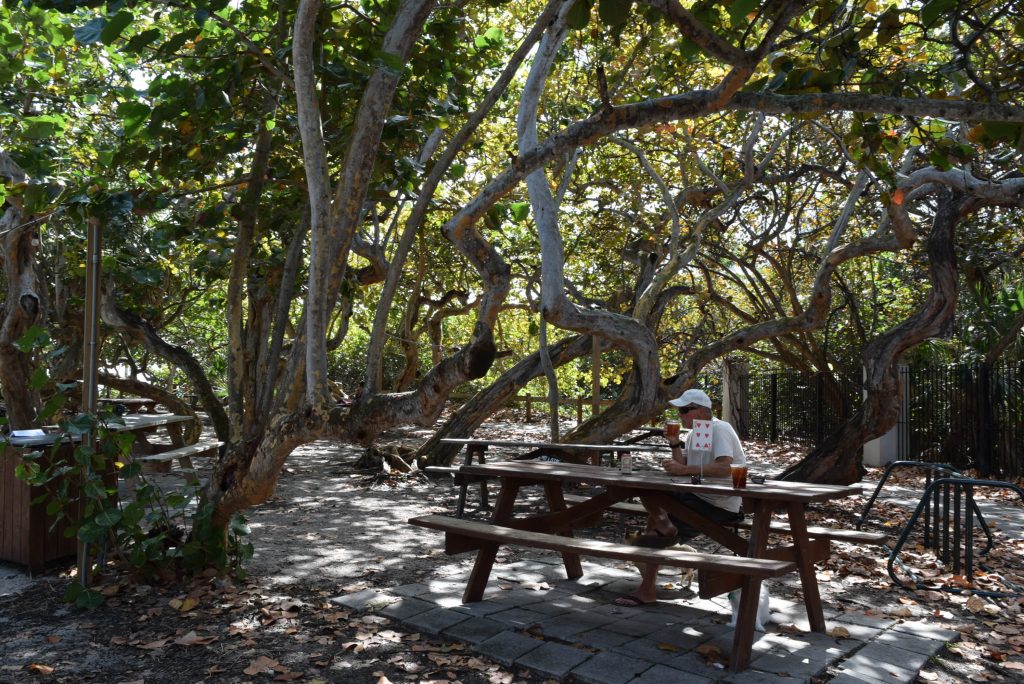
26,536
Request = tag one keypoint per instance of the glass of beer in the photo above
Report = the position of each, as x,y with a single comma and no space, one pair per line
672,430
739,477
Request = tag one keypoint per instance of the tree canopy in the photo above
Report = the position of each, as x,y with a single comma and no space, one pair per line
426,198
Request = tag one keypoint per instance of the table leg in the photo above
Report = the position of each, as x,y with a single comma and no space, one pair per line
486,555
750,590
804,563
174,431
556,502
746,616
477,450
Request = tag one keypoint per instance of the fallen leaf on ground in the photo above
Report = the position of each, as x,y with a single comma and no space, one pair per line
153,645
193,639
39,668
839,633
260,664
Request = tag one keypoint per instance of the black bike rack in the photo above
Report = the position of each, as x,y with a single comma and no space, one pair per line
938,493
933,516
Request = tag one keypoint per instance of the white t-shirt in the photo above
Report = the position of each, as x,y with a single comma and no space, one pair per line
724,442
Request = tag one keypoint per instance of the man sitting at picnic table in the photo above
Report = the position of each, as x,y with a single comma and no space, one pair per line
664,530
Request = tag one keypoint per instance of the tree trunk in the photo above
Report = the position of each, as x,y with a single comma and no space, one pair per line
837,460
25,306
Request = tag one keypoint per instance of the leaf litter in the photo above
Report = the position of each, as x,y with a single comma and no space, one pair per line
222,630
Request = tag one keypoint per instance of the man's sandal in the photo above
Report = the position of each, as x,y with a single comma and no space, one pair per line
658,540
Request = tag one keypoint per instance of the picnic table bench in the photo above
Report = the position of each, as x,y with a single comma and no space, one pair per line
849,536
744,564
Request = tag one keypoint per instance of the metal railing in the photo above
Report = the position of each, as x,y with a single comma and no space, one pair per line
949,532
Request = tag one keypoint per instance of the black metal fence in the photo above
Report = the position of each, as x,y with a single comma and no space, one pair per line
801,407
968,415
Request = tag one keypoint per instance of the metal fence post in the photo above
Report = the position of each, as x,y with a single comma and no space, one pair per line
773,410
984,426
819,408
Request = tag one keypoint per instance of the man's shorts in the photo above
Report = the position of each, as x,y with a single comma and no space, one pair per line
705,509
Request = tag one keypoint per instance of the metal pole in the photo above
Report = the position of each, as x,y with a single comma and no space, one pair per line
90,357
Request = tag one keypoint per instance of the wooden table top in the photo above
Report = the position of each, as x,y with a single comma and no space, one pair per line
773,490
131,423
554,445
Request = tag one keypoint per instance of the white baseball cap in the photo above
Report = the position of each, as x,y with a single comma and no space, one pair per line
692,397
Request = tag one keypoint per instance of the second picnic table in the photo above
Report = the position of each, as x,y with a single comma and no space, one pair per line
27,534
477,448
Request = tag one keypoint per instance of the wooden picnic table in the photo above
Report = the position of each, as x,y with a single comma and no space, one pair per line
754,559
132,404
27,535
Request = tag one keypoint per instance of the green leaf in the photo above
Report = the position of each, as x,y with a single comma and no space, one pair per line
933,10
152,275
90,32
54,404
520,210
38,379
614,12
888,26
688,50
133,116
579,15
174,43
739,9
80,424
141,40
91,533
1001,130
239,526
389,61
115,26
34,338
108,518
43,126
89,599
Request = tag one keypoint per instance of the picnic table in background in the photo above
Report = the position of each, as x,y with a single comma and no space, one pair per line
477,448
718,573
132,404
27,535
160,455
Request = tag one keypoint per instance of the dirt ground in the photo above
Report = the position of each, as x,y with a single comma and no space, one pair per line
332,529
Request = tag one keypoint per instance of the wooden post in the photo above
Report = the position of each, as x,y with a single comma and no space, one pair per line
529,408
579,410
595,375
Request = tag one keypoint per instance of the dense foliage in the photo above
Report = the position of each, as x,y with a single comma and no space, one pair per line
430,199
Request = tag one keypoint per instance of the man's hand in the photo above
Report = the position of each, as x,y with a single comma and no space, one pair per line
673,467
